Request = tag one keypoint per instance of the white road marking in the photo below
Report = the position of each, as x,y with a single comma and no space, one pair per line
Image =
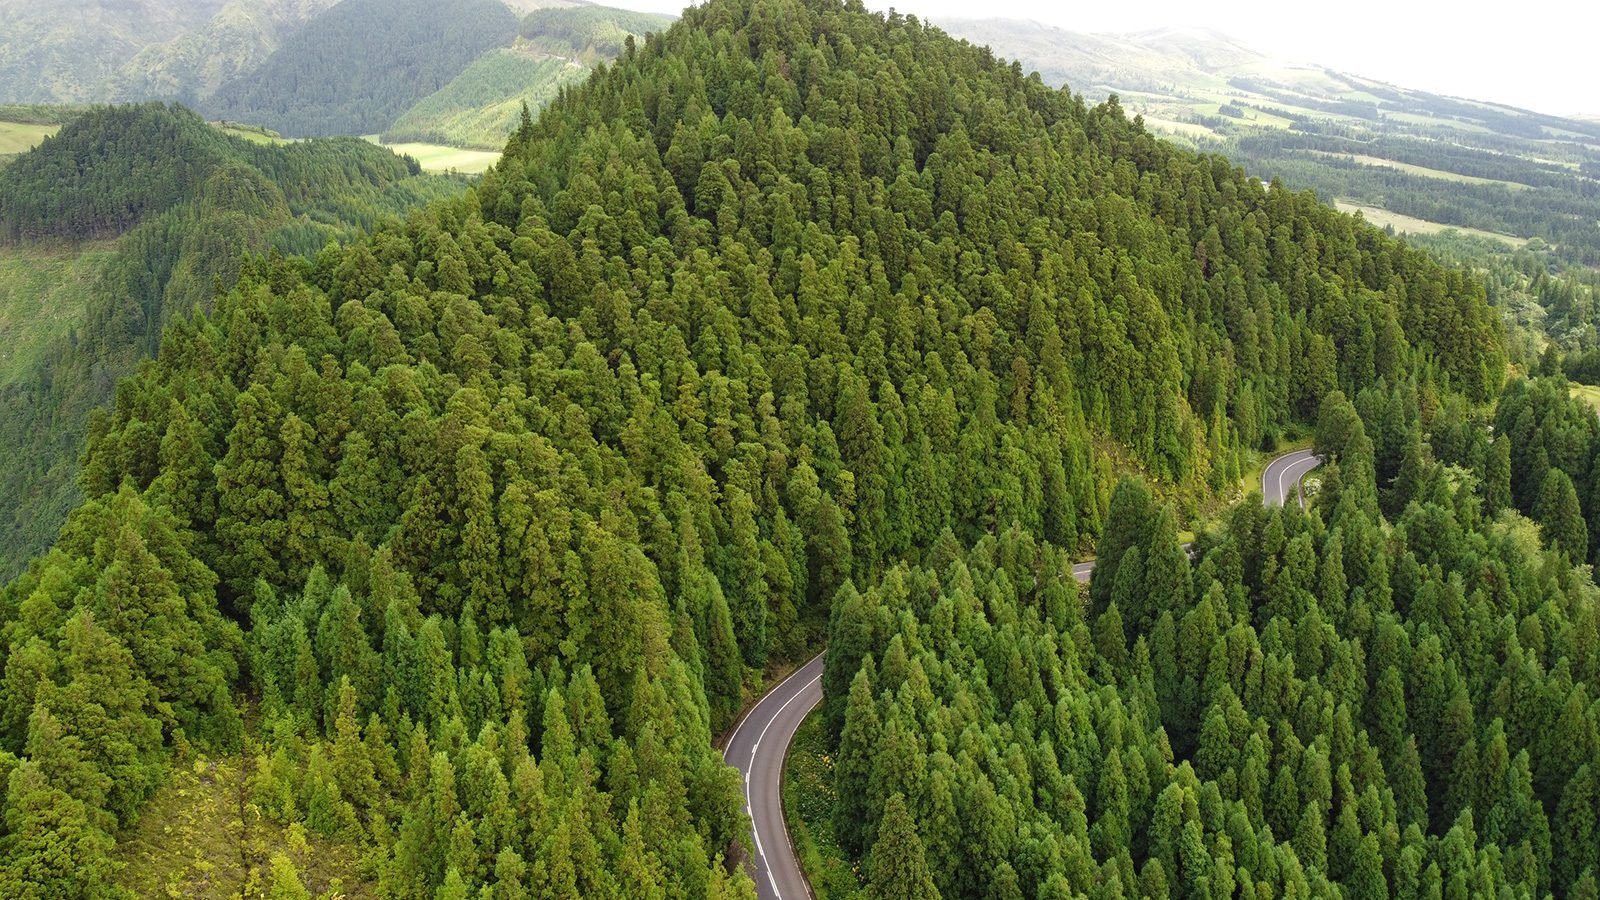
1309,463
749,811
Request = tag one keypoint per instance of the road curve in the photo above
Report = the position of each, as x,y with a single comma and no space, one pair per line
1282,476
760,742
758,747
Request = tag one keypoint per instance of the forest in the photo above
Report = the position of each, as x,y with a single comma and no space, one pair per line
1385,696
182,203
801,323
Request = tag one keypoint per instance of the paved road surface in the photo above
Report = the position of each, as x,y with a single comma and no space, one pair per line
757,749
761,741
1282,476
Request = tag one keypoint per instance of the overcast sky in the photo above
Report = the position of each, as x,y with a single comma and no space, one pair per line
1540,55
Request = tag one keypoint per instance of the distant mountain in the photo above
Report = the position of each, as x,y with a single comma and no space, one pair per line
70,51
239,37
556,47
1098,64
1412,159
356,68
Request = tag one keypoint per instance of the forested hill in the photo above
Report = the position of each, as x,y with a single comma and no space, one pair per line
357,67
111,169
490,518
173,204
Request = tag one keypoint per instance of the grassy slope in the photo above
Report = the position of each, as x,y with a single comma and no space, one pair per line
1383,218
20,137
1588,393
43,293
200,837
480,107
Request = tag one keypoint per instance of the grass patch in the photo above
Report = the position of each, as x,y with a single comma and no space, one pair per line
1588,393
43,294
439,158
1408,225
252,133
808,805
200,837
1422,171
20,137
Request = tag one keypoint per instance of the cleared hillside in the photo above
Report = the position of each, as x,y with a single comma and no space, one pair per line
481,107
556,47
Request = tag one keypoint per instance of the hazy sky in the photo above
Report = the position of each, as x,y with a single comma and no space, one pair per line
1540,55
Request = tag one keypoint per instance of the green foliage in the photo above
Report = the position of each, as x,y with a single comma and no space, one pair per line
483,105
357,67
187,202
1274,744
508,498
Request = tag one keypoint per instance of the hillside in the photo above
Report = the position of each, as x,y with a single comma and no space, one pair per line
357,67
99,51
491,519
236,39
65,51
483,105
1425,161
127,217
557,47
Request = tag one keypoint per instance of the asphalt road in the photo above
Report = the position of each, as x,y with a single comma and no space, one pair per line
760,742
757,749
1282,476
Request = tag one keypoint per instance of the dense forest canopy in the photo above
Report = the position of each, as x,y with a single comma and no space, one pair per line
183,202
1350,703
475,530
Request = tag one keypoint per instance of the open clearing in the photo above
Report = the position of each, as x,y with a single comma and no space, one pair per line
1588,393
42,294
437,158
1409,225
20,137
1419,170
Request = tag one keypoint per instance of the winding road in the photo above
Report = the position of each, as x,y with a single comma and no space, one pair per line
760,741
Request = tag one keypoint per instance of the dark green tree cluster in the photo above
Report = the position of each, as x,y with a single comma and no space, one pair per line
1552,475
357,67
1322,704
188,202
527,487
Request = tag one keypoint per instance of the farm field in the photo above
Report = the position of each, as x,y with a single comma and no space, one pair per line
439,158
1403,224
20,137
